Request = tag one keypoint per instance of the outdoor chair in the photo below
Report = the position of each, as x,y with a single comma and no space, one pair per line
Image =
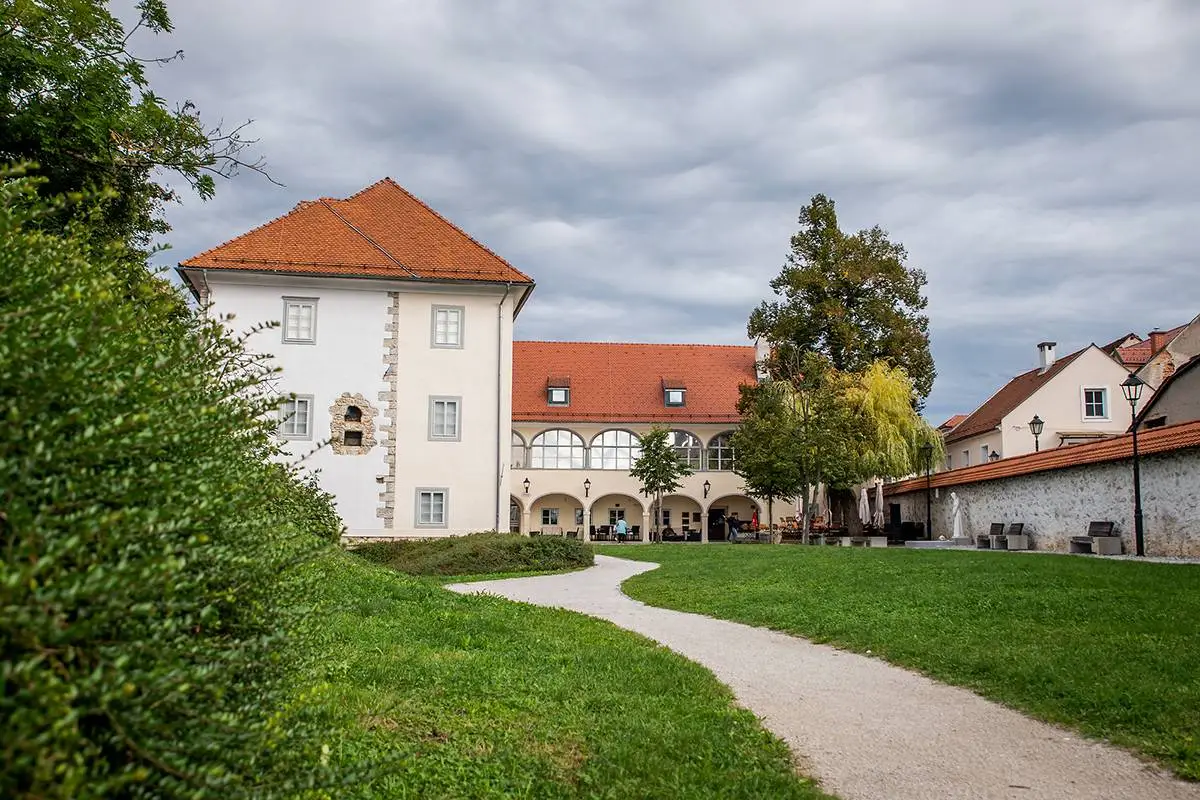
984,540
1017,539
1099,540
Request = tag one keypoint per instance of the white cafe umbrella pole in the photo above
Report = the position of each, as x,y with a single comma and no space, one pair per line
878,517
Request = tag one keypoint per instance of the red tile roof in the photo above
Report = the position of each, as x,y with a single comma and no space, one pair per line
953,422
989,415
1137,354
382,231
1156,440
615,382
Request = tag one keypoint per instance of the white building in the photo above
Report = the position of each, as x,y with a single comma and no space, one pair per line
396,340
1077,397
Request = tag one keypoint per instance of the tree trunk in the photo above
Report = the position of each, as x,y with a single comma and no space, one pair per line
805,508
771,516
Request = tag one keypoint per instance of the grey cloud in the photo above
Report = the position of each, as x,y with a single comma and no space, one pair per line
646,162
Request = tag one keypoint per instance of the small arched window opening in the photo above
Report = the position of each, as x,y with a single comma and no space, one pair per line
353,438
353,414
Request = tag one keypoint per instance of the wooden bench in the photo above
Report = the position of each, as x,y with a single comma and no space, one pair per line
984,540
1099,540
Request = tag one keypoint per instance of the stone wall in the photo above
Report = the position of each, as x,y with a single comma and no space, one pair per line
1056,505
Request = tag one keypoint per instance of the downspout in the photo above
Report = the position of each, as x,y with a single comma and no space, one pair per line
500,396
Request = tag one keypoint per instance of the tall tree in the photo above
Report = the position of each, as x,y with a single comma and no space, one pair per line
848,297
659,469
77,103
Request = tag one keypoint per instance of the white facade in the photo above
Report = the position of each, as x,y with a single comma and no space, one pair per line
376,338
1067,405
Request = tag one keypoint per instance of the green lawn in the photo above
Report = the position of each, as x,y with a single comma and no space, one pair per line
1111,648
480,697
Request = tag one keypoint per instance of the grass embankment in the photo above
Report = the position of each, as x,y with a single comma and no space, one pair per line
1109,648
480,554
481,697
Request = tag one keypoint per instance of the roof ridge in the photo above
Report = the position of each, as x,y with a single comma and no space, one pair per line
434,211
364,235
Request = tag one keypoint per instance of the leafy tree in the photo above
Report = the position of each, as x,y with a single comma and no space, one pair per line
77,103
659,469
849,298
769,445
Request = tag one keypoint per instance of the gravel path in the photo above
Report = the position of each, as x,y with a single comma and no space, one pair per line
866,729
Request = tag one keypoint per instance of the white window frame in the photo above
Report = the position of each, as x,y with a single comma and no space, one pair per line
967,457
434,436
461,311
431,522
674,398
1083,404
293,401
549,516
289,336
552,393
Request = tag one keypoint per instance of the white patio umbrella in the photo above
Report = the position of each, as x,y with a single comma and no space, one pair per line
878,516
826,511
864,507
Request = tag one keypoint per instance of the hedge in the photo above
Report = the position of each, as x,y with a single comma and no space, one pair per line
150,612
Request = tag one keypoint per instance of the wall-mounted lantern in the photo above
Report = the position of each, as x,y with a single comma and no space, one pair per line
707,486
525,483
587,486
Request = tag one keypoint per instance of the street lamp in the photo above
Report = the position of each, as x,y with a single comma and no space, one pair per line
1035,427
927,454
1132,389
707,486
587,486
994,456
525,483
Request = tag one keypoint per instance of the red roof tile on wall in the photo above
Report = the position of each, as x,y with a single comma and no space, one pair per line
383,231
615,382
1157,440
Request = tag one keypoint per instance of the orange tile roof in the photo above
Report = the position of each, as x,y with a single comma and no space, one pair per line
1156,440
989,415
1137,354
382,231
953,422
615,382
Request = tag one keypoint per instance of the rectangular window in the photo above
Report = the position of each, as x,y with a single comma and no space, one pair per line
558,396
966,458
1095,403
666,516
431,507
549,516
448,326
673,397
300,320
984,452
444,418
295,417
615,514
949,462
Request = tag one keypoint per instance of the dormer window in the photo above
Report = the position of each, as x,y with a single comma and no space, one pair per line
558,390
674,393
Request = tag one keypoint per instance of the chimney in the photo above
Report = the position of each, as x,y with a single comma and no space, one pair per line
762,352
1158,340
1046,354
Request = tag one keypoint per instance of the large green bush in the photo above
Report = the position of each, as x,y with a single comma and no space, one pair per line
480,553
148,603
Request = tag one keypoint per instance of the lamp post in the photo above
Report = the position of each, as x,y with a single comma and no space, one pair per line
1132,389
927,454
1035,427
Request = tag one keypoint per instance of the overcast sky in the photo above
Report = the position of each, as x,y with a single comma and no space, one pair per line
645,162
